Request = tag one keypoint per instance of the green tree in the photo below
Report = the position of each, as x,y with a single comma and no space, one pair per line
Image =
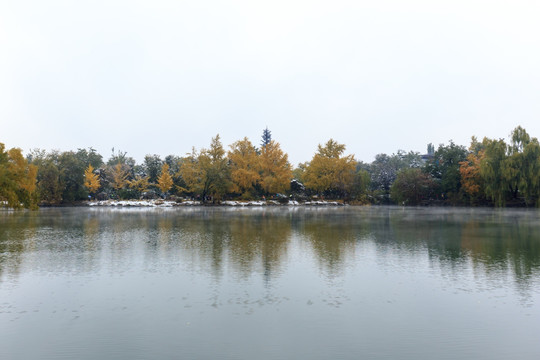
266,137
521,167
49,183
412,187
444,168
360,186
152,167
496,186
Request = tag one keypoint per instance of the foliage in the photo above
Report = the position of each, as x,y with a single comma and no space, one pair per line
140,184
153,167
49,182
491,169
360,186
17,179
275,170
91,180
385,168
245,168
206,173
266,137
412,187
119,176
490,172
164,181
72,166
329,172
444,168
521,168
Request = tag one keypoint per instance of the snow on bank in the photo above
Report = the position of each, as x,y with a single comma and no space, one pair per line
164,203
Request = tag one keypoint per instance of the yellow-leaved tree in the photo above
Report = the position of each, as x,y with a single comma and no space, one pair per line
329,171
140,183
164,181
119,175
17,180
245,167
275,170
91,180
206,173
471,179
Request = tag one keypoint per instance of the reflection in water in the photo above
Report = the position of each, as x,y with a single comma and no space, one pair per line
256,240
270,283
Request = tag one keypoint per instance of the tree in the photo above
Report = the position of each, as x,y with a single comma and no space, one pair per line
521,167
140,184
245,167
266,138
329,171
152,167
412,187
491,165
164,180
206,173
472,185
444,168
529,186
91,180
360,186
275,170
118,176
49,186
17,179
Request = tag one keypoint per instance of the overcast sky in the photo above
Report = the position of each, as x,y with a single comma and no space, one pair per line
162,76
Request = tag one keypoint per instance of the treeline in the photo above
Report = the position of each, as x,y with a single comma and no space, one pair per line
487,173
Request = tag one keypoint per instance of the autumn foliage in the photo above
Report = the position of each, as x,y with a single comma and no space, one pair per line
490,172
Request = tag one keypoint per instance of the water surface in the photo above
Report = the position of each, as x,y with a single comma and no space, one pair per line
270,283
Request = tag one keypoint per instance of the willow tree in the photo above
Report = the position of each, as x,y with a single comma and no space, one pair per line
521,168
496,185
329,171
275,170
245,167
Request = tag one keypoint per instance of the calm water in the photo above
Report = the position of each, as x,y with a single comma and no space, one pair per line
276,283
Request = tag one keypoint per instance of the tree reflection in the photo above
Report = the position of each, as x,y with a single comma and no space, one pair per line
248,241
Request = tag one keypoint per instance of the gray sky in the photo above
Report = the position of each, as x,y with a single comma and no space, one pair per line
163,76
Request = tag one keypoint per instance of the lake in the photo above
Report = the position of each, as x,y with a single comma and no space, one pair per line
270,283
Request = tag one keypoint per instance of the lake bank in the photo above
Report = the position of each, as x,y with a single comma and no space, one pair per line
228,203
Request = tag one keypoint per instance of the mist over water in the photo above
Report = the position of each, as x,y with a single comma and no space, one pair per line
270,283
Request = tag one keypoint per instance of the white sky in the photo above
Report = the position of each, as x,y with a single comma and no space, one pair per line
162,76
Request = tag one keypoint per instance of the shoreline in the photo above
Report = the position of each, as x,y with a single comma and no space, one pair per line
189,203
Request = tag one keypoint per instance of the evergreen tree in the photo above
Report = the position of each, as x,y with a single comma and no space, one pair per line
266,137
